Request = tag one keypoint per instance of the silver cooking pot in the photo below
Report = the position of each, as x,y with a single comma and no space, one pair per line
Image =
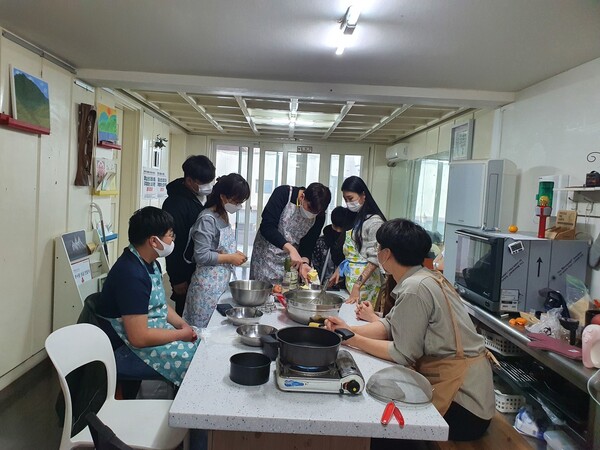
305,305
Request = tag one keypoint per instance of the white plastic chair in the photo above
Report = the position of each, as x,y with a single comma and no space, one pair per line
139,423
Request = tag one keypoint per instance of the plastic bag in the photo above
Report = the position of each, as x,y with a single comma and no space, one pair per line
577,298
549,324
531,423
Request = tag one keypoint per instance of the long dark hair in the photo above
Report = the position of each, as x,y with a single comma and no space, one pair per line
368,209
232,186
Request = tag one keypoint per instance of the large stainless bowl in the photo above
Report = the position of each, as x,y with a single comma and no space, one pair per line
244,315
250,334
305,305
250,292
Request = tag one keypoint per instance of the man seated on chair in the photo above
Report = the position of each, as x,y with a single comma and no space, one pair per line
148,336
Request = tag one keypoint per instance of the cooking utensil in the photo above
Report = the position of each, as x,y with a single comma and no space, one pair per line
301,305
400,384
392,410
250,334
306,346
250,292
249,369
244,315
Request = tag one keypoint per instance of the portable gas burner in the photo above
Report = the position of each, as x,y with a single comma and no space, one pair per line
341,377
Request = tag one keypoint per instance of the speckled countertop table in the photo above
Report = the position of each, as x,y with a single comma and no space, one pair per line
209,400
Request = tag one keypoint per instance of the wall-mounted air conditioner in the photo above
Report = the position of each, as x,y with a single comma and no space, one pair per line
396,153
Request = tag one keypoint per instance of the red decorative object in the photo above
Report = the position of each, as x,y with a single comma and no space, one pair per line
7,120
107,144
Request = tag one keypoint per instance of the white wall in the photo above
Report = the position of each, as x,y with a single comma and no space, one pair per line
39,202
549,130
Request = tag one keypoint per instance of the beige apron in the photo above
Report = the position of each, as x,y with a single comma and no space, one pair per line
447,375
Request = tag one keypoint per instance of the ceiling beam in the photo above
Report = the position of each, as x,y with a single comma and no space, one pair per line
240,100
201,110
384,121
345,109
157,109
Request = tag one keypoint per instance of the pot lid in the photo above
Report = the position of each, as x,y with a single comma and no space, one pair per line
401,384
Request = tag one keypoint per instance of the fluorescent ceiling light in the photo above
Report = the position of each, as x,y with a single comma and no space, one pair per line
347,26
350,19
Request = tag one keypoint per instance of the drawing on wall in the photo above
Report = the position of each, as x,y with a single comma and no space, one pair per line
30,98
105,175
107,124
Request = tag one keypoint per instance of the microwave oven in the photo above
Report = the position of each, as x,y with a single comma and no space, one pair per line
505,272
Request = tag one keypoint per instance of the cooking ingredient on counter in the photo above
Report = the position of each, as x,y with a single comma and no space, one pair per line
277,289
513,229
518,322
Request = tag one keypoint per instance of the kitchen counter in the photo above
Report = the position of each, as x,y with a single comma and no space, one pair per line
208,399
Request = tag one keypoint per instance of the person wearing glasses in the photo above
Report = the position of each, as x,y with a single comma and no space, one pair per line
186,197
292,221
214,248
429,329
147,335
363,278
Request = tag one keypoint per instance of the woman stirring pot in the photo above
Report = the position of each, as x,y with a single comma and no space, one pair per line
291,223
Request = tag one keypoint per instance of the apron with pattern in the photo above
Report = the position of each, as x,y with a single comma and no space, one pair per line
208,284
447,375
369,291
267,260
170,360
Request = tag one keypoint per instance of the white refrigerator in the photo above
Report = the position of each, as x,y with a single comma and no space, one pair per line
481,195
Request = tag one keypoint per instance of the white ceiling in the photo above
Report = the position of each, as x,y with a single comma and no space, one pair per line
451,53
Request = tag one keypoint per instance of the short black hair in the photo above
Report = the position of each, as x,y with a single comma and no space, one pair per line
147,222
319,197
233,186
200,168
409,243
342,217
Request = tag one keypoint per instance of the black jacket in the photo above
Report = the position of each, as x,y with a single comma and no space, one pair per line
184,206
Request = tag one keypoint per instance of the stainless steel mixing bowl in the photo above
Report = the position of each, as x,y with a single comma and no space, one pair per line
250,334
305,305
250,292
244,315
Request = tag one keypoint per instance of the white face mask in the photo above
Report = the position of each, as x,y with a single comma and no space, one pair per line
205,189
306,213
381,269
353,206
166,250
231,208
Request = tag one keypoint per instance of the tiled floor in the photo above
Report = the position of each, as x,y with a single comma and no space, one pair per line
27,417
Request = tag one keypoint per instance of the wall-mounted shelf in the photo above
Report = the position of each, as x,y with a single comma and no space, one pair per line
578,189
8,121
107,144
106,193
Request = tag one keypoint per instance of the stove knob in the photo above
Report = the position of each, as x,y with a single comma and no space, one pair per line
352,386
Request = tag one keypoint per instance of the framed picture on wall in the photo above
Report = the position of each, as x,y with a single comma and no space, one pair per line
30,98
461,145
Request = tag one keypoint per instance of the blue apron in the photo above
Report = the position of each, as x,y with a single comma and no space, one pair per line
170,360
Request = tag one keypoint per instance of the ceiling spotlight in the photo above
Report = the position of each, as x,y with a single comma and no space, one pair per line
350,19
